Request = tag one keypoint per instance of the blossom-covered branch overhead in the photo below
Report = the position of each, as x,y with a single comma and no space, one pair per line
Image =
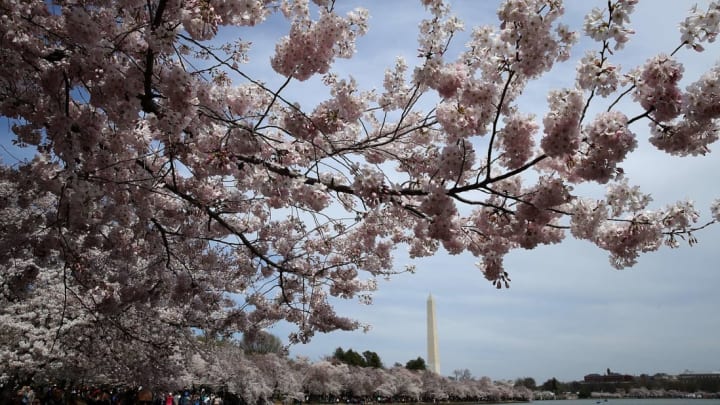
169,187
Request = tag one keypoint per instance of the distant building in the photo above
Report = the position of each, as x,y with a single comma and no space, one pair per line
609,377
688,375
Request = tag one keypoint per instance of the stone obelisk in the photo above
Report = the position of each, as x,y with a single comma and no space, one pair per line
432,338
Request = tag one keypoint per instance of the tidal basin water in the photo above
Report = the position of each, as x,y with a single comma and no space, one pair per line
628,401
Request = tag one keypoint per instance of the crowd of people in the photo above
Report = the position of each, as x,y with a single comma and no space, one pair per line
55,395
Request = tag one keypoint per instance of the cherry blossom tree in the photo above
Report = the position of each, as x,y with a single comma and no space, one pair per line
169,191
435,387
408,384
285,382
222,364
387,386
325,379
370,380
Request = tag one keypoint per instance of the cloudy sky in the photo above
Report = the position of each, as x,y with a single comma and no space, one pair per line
568,312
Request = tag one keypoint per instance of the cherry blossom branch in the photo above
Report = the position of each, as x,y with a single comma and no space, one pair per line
64,308
243,74
511,173
276,95
511,75
623,94
168,252
640,116
214,215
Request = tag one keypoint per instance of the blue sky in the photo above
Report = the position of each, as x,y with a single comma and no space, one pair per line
568,312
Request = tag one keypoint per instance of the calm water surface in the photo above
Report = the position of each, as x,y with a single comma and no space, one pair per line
663,401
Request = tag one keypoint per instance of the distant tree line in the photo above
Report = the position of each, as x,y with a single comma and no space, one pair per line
353,358
417,364
639,386
371,359
257,369
643,385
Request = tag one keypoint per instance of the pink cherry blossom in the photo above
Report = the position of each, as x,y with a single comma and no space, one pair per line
657,87
701,26
516,140
562,123
608,141
715,209
613,25
595,74
169,190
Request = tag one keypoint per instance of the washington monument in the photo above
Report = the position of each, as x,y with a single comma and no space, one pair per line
432,339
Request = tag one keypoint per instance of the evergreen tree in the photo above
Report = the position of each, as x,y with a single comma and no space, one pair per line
372,359
417,364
